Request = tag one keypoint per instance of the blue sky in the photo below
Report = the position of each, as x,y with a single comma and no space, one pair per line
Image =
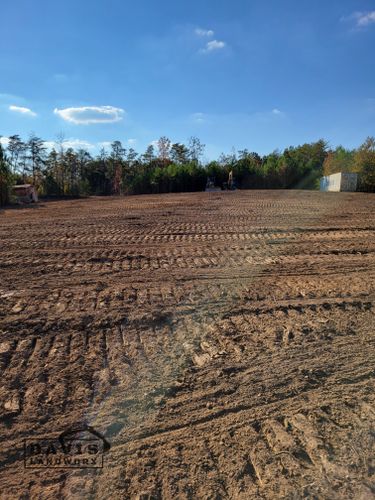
247,73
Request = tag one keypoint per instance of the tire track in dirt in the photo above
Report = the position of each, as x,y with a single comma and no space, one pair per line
214,339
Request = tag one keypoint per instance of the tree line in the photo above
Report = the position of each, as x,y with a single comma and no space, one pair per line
172,167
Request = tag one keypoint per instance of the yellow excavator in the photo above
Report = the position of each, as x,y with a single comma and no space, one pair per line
230,180
230,184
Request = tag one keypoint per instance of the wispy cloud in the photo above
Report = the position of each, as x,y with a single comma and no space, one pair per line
87,115
60,77
104,144
198,117
203,33
275,116
365,18
22,110
78,144
361,19
131,142
70,143
10,97
213,46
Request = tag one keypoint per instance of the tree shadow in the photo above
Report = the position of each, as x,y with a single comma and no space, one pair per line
26,206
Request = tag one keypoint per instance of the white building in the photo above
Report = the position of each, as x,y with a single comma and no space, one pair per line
343,181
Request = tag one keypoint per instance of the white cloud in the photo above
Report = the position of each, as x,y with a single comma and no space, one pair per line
104,144
22,110
365,18
268,116
70,143
198,117
361,19
131,142
50,144
78,144
86,115
202,32
10,97
4,141
214,45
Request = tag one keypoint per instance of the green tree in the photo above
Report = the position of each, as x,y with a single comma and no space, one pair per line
5,177
196,149
179,153
72,172
164,146
149,155
116,162
339,160
36,157
16,148
50,183
364,164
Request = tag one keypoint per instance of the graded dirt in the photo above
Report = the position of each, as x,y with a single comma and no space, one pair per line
223,343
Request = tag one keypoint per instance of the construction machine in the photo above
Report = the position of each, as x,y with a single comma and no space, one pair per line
230,184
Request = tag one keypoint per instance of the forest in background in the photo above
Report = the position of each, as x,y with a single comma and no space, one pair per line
172,167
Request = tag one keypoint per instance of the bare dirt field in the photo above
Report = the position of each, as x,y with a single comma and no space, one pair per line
223,343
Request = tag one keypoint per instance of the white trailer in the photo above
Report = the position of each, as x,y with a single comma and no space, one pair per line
342,181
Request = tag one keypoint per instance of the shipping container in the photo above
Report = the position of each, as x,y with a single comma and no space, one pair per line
342,181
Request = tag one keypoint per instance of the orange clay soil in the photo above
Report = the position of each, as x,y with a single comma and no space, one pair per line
223,343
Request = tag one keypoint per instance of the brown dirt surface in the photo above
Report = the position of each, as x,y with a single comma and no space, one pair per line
223,343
